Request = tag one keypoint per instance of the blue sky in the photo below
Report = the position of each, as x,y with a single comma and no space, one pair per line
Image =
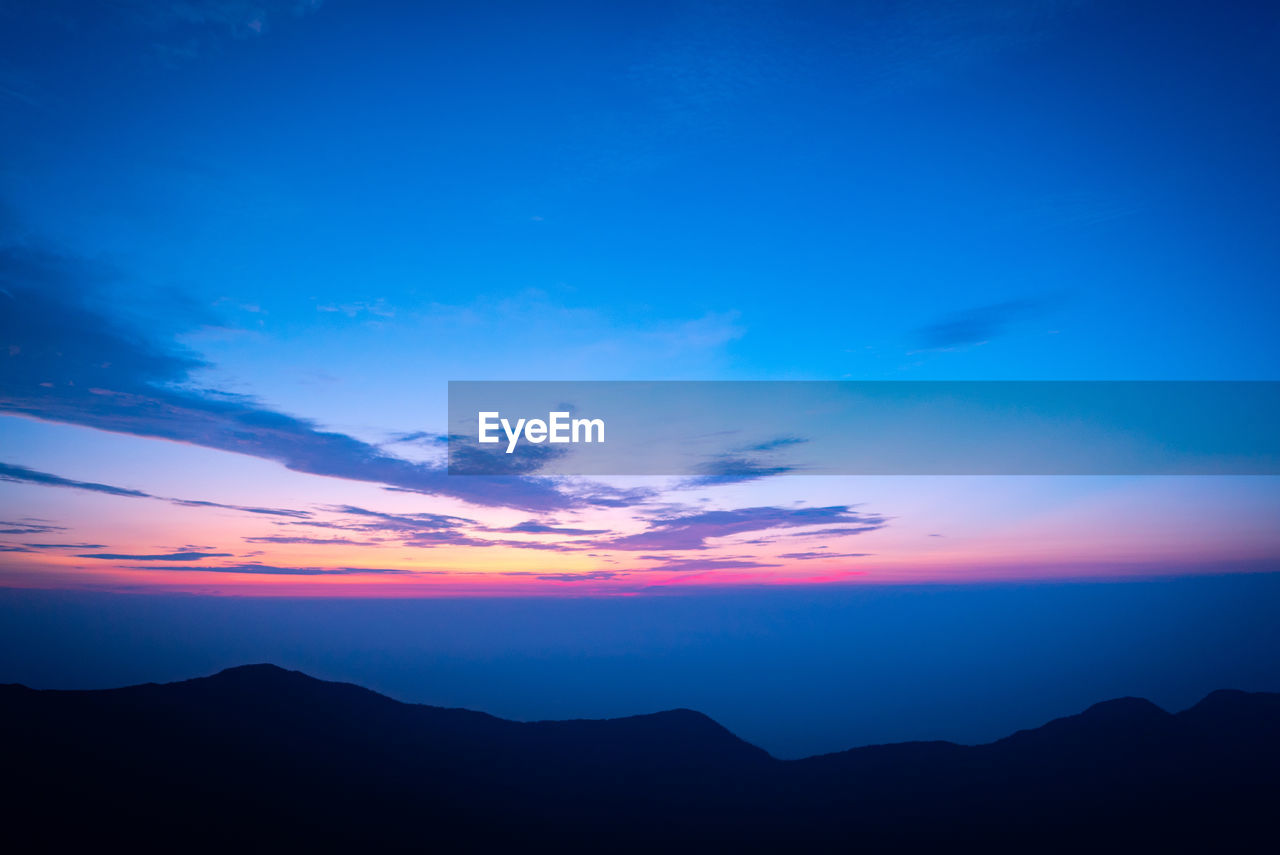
313,215
244,244
851,190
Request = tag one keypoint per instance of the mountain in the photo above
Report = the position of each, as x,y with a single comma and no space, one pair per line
263,757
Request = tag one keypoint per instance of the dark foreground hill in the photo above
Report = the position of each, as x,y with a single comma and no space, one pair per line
259,757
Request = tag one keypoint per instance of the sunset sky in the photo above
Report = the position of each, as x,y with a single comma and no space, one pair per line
247,245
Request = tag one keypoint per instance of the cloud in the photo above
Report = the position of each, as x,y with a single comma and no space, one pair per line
536,544
273,570
592,576
23,475
729,469
842,531
691,531
680,530
378,308
810,556
71,360
29,525
171,556
412,523
587,576
319,541
748,463
597,495
64,545
468,457
420,437
976,326
776,443
692,565
248,509
531,527
426,530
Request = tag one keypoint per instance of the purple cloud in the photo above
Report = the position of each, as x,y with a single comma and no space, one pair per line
171,556
23,475
531,527
29,525
272,570
691,531
70,360
588,576
692,565
319,541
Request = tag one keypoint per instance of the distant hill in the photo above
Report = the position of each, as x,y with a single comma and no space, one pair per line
261,757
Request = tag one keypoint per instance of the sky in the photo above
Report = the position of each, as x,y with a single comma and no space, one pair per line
245,245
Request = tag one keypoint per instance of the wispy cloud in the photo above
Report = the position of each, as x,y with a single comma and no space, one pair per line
248,509
731,469
377,308
427,530
274,570
586,576
532,527
22,475
313,541
171,556
29,525
976,326
692,531
747,463
416,524
777,443
71,361
695,565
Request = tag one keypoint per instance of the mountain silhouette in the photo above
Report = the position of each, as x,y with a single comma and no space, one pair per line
259,756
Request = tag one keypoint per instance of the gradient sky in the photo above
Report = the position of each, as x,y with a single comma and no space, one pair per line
244,246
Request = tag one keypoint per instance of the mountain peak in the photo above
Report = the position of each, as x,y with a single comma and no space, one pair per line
258,668
1234,711
684,714
1123,710
259,677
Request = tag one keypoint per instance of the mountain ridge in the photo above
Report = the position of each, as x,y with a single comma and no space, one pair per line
1100,711
263,753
